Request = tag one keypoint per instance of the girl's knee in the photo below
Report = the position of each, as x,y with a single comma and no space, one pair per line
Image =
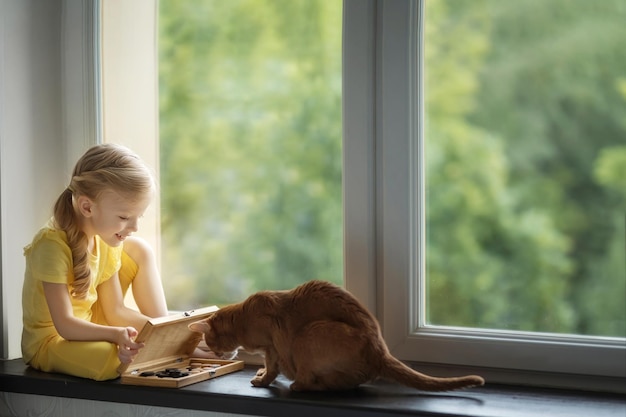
138,249
93,360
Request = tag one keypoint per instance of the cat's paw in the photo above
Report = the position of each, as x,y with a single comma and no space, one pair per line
296,386
261,372
258,381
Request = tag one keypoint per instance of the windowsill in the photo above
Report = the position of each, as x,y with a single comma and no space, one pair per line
233,394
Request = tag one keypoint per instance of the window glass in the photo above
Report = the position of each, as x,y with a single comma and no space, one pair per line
525,143
250,146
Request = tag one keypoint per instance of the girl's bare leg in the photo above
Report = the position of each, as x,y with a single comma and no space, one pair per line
147,287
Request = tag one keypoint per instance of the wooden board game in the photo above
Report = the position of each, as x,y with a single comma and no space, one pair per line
165,360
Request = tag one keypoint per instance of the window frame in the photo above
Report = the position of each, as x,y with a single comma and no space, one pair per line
383,153
128,65
519,357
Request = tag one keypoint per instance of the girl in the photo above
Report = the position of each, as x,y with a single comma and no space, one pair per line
79,266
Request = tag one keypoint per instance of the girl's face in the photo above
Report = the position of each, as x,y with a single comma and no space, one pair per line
114,217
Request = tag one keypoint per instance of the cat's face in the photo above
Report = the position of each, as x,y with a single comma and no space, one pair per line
220,343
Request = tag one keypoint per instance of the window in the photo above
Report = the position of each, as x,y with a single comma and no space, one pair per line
523,146
250,147
384,211
415,329
250,139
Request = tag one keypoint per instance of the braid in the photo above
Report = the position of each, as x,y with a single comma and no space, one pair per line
102,167
65,219
82,272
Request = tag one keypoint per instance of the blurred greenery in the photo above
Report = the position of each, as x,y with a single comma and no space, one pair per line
250,125
525,144
526,166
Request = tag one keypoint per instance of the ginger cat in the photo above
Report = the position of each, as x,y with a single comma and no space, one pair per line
319,336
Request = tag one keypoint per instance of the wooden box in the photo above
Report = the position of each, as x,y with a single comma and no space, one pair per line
169,345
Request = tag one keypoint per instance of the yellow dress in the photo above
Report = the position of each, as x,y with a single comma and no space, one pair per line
49,259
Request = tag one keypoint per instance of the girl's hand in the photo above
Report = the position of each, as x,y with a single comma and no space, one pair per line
126,346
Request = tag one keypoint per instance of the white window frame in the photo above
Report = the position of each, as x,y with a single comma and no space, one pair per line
129,89
393,63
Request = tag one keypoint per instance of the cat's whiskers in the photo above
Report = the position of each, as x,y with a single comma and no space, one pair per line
229,355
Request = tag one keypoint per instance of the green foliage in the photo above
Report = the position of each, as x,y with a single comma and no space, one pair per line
526,135
250,147
525,145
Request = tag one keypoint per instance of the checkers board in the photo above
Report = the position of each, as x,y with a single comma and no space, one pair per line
165,360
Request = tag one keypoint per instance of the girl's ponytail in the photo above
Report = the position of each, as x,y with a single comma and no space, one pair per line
65,219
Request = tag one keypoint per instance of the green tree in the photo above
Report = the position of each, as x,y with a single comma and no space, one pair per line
537,110
250,146
487,258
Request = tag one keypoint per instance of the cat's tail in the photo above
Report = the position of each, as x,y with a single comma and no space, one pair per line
397,371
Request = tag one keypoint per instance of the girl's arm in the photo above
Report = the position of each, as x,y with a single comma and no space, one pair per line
70,327
115,312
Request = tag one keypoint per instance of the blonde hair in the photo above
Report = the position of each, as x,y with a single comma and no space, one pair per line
102,167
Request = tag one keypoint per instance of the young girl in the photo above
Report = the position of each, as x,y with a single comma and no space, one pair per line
79,266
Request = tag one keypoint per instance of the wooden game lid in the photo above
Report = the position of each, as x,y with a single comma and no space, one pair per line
168,338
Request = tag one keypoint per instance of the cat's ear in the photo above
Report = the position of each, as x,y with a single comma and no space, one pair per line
200,327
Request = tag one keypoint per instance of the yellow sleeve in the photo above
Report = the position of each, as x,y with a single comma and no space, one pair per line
49,258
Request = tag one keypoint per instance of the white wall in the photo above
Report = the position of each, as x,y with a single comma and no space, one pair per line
130,89
31,144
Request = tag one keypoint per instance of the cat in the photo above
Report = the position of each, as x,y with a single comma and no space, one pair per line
319,336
